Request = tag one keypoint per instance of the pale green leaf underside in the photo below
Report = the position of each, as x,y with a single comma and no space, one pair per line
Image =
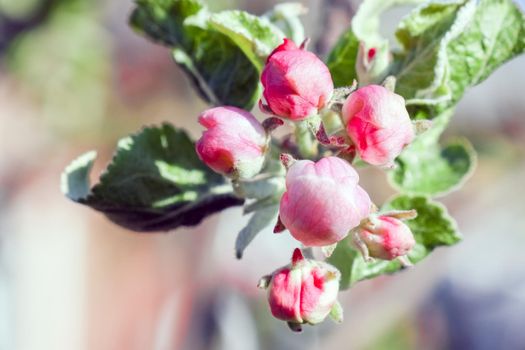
261,219
256,36
74,182
154,182
286,17
367,21
432,228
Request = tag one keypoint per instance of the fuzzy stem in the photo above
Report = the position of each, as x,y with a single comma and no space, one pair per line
306,143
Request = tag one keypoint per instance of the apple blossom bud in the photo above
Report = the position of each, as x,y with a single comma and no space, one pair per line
385,237
304,291
323,201
378,124
297,84
234,144
372,63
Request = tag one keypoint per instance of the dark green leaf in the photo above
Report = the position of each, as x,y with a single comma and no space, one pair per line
163,20
154,182
432,228
342,58
217,67
219,70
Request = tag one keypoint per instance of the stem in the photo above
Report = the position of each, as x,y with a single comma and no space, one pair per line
306,143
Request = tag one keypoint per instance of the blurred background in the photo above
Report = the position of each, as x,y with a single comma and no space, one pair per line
74,77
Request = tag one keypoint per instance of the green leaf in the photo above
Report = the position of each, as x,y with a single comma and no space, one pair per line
432,228
367,21
163,20
450,46
155,182
344,257
495,35
262,187
434,170
342,58
261,219
365,27
422,68
426,168
286,17
218,68
256,36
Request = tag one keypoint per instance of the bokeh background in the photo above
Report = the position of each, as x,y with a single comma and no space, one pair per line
74,77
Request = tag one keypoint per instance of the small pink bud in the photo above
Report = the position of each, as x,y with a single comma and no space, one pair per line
378,123
304,291
297,84
323,201
234,144
387,238
372,63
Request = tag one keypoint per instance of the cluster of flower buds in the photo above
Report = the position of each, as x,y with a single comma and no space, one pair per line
323,202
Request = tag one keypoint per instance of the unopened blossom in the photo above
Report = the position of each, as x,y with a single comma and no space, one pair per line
372,63
323,201
234,143
304,291
378,124
297,84
386,238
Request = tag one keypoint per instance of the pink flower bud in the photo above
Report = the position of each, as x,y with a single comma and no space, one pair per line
387,238
234,144
297,84
323,201
378,123
372,63
304,291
